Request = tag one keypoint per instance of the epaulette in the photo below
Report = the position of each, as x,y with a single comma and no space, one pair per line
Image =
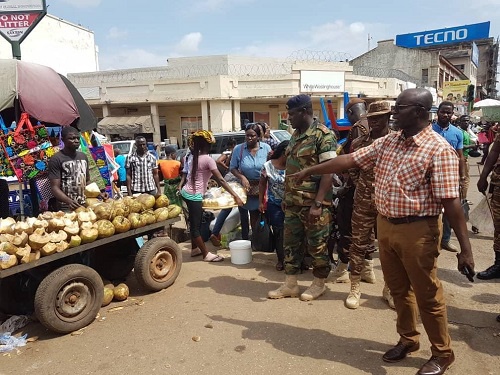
324,129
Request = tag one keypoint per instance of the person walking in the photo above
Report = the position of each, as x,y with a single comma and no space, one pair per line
306,206
272,182
201,168
68,172
491,166
469,144
416,175
170,171
365,212
247,161
142,170
455,138
122,172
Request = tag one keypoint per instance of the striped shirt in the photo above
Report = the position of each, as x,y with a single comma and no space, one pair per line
411,175
141,171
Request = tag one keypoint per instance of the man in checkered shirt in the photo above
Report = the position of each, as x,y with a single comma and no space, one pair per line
142,170
416,174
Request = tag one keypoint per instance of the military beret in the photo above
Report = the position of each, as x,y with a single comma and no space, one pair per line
299,101
354,101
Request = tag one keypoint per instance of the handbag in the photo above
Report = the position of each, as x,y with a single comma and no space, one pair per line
28,149
262,237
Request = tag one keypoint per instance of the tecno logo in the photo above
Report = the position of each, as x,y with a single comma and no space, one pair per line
441,37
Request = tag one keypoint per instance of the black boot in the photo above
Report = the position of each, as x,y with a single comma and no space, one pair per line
492,272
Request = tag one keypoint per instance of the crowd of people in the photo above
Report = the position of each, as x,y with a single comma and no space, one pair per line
403,184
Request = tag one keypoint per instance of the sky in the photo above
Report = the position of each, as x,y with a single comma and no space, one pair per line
135,34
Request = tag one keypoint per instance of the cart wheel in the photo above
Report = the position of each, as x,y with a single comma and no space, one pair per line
69,298
158,263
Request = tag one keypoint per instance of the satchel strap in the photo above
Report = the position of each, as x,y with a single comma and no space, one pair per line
24,121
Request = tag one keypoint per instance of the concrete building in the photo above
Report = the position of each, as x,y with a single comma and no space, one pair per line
219,92
59,44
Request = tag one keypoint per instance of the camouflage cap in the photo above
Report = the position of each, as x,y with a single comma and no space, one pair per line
378,108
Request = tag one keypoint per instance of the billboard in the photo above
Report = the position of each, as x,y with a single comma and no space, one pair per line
475,55
450,35
15,25
456,91
321,81
21,5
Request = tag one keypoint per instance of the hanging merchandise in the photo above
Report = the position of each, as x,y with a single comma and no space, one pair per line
28,149
95,175
100,158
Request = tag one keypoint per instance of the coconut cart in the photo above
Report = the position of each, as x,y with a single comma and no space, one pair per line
65,290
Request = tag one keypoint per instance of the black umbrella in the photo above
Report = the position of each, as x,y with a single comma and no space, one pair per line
87,120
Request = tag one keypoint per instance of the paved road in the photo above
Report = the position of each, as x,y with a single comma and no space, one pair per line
240,331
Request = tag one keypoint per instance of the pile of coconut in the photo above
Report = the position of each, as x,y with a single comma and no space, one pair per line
53,232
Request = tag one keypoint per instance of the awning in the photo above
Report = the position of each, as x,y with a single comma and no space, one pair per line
125,125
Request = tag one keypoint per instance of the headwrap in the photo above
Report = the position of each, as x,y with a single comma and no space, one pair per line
205,134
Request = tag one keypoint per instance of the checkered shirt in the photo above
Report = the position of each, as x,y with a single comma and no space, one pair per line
141,171
411,175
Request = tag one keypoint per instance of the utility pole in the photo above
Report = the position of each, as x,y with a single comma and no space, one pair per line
369,39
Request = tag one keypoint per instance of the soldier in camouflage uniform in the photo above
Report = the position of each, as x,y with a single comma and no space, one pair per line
365,213
356,113
491,164
307,206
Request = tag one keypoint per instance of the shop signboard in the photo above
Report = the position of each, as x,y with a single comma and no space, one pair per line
22,5
475,55
455,91
14,26
450,35
313,81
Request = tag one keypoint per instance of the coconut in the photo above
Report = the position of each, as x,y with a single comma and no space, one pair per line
103,211
48,249
23,252
120,209
7,261
75,241
161,214
70,216
23,227
89,235
34,256
19,239
147,201
148,217
61,246
121,292
105,228
135,220
47,215
55,224
71,227
7,225
121,224
38,239
135,206
92,190
92,202
162,201
174,211
108,296
8,247
58,236
86,215
40,223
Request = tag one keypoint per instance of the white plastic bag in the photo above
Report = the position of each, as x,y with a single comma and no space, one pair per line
481,218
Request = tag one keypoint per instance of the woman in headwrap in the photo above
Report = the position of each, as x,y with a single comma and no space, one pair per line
201,168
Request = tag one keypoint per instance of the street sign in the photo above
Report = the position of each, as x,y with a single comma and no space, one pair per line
18,18
14,26
21,5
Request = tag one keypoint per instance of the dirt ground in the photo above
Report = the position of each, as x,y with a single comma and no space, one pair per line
216,319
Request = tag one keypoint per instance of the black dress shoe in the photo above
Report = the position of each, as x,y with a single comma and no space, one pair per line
399,352
492,272
436,365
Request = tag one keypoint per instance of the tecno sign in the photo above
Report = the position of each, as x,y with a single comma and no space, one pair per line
444,36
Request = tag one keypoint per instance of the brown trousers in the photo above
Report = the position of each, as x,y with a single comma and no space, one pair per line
408,255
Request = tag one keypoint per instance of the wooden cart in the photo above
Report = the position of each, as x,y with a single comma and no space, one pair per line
65,290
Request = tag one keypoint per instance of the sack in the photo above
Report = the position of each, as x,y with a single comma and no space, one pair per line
262,238
28,150
254,188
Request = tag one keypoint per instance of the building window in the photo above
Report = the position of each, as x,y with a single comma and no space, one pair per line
425,76
460,67
188,126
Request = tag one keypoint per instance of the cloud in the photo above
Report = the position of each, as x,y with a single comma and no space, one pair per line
189,43
126,58
336,40
216,5
116,33
83,3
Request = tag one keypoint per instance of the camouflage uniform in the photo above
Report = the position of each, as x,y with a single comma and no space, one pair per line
364,214
315,145
346,200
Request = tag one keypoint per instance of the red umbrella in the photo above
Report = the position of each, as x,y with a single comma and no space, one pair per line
40,90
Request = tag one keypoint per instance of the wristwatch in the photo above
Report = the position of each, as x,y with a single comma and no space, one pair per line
318,204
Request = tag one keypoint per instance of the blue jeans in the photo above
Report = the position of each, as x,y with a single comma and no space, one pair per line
221,218
446,231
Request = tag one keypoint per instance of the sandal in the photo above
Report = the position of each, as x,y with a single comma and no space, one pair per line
195,252
213,258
